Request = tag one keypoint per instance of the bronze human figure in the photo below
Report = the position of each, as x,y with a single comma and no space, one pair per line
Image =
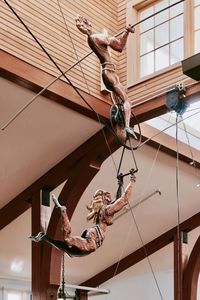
100,43
101,211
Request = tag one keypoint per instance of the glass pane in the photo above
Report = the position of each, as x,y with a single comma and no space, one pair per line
163,16
196,2
176,28
147,64
162,35
197,18
13,296
146,42
149,23
176,9
197,41
162,58
176,51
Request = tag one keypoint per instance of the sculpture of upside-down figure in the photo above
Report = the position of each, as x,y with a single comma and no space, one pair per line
100,43
101,210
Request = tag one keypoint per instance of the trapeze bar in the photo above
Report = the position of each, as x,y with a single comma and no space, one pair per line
86,288
158,191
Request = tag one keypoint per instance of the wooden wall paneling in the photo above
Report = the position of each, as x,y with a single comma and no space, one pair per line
52,70
156,85
92,10
47,24
122,71
14,29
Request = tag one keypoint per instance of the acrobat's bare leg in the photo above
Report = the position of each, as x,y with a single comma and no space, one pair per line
41,236
119,90
66,227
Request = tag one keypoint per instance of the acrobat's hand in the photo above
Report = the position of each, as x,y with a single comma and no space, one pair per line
130,28
133,177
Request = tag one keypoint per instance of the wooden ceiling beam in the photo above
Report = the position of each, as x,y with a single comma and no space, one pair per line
60,172
168,145
156,106
30,77
79,178
140,254
191,273
34,79
55,176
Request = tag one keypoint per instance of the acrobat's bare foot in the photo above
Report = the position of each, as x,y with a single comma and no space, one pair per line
38,238
57,204
130,131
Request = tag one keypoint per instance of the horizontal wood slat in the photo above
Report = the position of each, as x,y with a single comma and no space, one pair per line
59,36
66,44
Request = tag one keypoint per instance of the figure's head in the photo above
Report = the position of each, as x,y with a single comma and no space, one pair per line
105,196
100,199
83,25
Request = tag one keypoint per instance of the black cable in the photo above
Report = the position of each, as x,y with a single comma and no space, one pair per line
73,46
49,56
154,14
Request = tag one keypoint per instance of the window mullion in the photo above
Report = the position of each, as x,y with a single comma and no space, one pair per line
188,28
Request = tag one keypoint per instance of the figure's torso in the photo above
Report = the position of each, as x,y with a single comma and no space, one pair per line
98,42
105,218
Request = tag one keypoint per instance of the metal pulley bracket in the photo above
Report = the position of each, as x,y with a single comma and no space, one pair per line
174,98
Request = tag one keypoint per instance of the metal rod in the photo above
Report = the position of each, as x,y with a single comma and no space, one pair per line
138,203
41,92
154,14
86,288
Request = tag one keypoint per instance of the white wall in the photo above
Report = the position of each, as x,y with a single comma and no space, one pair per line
140,287
21,288
138,282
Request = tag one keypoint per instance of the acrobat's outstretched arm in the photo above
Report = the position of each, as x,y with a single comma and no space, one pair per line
118,43
123,200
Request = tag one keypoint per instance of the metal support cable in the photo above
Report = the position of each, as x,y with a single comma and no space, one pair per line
74,48
37,95
178,213
140,237
154,14
168,127
188,141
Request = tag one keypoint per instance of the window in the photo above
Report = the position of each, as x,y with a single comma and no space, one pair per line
164,39
14,296
161,37
197,26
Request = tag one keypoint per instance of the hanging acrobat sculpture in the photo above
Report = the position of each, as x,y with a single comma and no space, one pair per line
100,43
102,208
101,211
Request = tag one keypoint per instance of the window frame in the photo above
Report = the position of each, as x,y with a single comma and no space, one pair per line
133,53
